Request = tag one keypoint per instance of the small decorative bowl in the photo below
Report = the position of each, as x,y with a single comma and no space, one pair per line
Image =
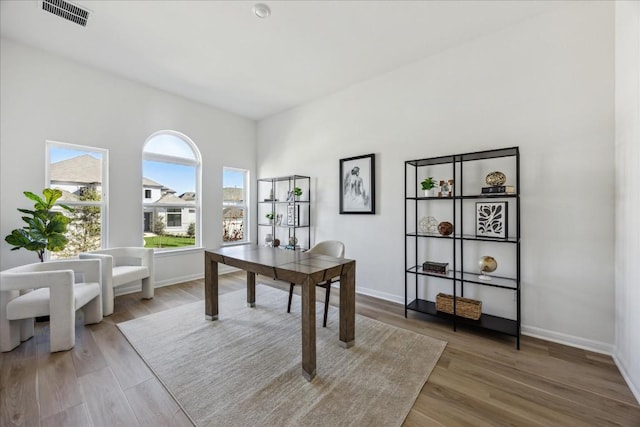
496,178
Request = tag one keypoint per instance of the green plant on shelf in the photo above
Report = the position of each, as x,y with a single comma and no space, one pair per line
297,191
428,183
270,216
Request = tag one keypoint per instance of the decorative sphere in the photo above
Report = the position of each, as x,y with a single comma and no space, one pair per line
276,243
428,224
487,264
293,240
496,178
445,228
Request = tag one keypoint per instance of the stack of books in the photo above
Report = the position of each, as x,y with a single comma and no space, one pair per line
499,189
436,267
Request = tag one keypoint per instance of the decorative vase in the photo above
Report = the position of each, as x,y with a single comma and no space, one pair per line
430,193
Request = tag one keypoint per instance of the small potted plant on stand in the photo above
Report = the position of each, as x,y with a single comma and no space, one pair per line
429,186
270,216
297,191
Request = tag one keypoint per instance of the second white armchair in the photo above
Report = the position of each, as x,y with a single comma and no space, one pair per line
121,266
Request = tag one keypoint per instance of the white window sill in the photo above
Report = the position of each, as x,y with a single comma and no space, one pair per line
159,253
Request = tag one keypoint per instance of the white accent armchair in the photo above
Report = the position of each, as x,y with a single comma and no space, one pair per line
121,266
57,289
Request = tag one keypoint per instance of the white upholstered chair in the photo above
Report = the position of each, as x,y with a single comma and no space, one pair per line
121,266
334,248
58,289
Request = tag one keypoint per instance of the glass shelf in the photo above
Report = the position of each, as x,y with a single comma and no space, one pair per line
468,277
463,237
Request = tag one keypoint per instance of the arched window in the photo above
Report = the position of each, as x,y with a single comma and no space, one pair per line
171,191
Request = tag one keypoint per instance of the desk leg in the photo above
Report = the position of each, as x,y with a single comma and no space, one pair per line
210,288
308,329
348,305
251,289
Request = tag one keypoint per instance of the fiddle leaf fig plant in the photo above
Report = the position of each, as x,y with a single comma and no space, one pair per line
45,229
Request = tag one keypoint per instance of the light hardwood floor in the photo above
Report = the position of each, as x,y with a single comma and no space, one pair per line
480,380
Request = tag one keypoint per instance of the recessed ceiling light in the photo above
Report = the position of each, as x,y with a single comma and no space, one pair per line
261,10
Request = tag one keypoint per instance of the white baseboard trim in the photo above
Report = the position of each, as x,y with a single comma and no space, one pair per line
380,295
625,374
570,340
137,287
557,337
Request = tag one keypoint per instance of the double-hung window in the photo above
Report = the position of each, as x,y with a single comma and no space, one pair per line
171,171
234,205
80,172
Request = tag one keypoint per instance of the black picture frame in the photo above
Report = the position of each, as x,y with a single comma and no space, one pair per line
358,185
491,220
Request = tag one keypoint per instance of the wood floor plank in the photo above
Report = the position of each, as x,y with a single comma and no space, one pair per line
18,393
58,386
123,360
105,400
76,416
152,404
86,355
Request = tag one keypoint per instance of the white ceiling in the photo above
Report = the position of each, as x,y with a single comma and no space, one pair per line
221,54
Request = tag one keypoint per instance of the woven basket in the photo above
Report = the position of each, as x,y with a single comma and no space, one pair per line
465,307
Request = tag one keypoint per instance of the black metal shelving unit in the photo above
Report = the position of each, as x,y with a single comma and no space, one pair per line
272,197
461,241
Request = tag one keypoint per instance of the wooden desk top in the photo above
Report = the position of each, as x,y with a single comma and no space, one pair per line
287,265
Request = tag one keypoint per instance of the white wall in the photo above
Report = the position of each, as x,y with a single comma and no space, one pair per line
47,97
627,140
545,85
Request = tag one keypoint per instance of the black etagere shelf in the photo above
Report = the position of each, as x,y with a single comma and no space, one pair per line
461,241
275,195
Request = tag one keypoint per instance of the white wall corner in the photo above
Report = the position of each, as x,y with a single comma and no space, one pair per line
635,388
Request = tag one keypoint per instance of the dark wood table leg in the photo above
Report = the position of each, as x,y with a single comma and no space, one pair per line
251,289
308,329
348,305
210,288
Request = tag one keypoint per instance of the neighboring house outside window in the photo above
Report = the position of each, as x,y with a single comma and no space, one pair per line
80,172
234,205
171,183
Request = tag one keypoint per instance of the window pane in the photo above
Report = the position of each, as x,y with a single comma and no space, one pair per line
234,210
233,221
84,231
169,145
74,171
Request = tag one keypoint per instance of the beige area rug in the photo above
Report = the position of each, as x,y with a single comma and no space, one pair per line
245,368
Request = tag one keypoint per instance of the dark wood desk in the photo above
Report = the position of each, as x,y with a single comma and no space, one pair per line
293,267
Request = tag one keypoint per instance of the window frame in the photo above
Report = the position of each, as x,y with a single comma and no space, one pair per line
195,204
103,204
245,206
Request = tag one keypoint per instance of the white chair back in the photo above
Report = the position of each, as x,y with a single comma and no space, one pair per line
334,248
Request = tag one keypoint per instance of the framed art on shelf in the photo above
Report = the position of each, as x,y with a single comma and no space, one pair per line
357,185
491,219
293,215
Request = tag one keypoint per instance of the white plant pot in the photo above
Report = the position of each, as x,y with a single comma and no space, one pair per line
430,193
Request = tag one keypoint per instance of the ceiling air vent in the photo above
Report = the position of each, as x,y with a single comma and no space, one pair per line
66,10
